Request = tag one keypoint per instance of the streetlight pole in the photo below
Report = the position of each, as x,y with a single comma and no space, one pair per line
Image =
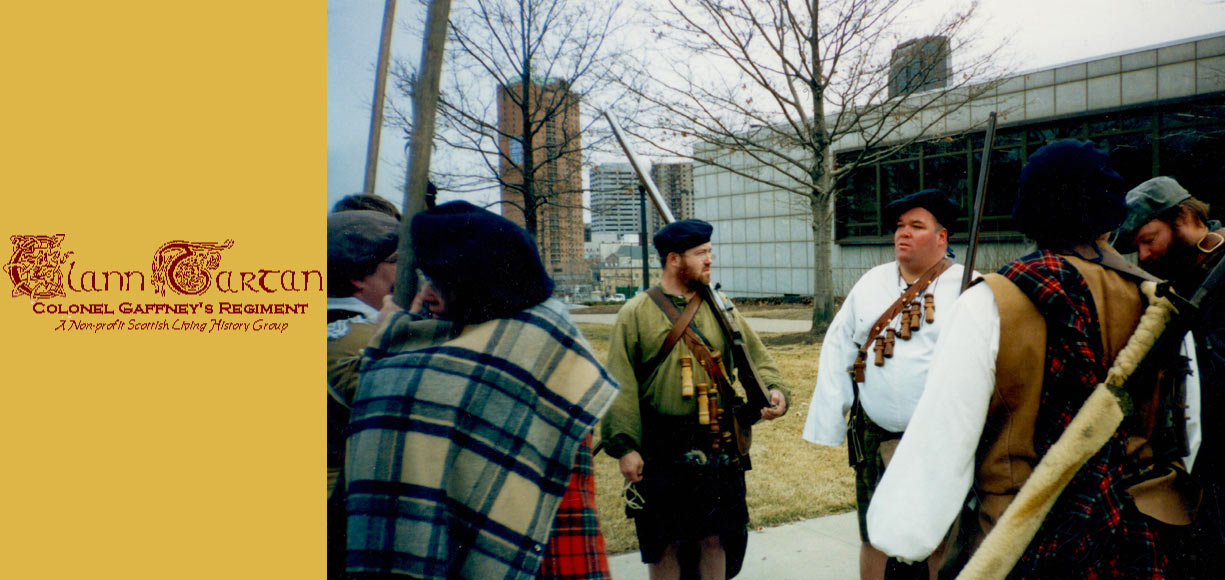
646,255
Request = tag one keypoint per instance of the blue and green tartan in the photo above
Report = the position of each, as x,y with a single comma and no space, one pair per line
459,453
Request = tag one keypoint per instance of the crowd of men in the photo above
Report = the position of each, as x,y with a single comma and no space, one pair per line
460,429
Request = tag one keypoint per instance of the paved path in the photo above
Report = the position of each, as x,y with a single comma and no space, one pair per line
758,324
818,549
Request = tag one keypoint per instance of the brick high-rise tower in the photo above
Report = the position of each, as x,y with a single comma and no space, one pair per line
675,183
556,178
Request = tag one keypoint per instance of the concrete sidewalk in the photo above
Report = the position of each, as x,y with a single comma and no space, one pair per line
758,324
824,548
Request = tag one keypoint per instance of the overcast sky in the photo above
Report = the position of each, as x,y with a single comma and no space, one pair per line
1043,33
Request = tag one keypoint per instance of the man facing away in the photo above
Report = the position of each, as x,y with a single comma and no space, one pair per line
1176,240
469,444
888,384
1018,358
685,483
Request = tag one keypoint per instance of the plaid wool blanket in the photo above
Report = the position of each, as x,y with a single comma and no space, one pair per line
459,452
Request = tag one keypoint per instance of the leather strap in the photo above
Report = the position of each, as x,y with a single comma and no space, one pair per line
915,289
696,345
679,324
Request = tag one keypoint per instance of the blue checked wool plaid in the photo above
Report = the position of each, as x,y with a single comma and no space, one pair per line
459,453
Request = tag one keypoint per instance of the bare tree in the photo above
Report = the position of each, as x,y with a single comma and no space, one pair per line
795,78
533,61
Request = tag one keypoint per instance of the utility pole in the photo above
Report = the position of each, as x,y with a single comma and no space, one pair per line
425,108
376,108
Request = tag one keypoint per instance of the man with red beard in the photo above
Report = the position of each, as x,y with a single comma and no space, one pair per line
686,492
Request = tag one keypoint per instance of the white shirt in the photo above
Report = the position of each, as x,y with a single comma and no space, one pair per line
930,474
890,392
366,313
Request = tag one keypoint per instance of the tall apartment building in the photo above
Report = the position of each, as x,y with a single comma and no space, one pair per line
614,199
557,178
675,183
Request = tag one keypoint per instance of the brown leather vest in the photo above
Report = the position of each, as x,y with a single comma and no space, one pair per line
1006,454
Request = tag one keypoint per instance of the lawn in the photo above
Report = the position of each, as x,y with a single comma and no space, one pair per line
791,479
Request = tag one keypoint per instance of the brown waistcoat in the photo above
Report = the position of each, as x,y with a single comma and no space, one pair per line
1006,454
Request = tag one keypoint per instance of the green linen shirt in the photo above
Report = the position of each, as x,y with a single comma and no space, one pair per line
637,336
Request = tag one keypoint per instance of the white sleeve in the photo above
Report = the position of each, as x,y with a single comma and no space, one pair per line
930,474
832,396
1192,388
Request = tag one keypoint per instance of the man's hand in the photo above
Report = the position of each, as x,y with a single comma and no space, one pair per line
777,409
631,466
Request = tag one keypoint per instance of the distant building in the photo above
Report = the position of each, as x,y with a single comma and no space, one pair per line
614,199
557,151
621,271
1157,110
675,183
919,65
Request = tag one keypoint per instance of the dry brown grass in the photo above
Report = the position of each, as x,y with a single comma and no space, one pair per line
791,479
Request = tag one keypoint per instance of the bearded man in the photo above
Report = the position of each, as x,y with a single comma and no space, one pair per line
1175,239
685,490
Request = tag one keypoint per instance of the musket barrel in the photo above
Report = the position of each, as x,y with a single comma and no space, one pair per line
643,175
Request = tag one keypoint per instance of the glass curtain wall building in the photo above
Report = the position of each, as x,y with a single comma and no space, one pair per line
1156,110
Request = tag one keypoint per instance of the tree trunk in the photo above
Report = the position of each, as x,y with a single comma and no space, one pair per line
823,267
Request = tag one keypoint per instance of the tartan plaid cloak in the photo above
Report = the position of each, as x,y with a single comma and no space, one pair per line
1093,530
576,546
459,452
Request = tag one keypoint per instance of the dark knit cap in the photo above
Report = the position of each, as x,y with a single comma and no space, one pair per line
680,236
487,266
1069,194
357,241
941,207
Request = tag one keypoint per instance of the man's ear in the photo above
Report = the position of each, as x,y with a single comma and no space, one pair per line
944,235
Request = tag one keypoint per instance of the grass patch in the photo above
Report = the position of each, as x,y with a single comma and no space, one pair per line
791,479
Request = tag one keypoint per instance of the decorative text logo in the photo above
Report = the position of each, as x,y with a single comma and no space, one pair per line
185,266
34,267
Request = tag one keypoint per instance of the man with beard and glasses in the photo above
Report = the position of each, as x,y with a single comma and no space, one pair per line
685,491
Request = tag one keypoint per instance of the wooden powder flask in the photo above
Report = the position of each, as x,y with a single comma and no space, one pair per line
879,347
929,308
915,312
686,376
890,335
857,369
703,405
905,324
715,431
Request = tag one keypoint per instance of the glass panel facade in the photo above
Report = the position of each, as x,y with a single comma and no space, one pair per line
1184,140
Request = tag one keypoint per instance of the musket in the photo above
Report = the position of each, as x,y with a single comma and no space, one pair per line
746,371
979,193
